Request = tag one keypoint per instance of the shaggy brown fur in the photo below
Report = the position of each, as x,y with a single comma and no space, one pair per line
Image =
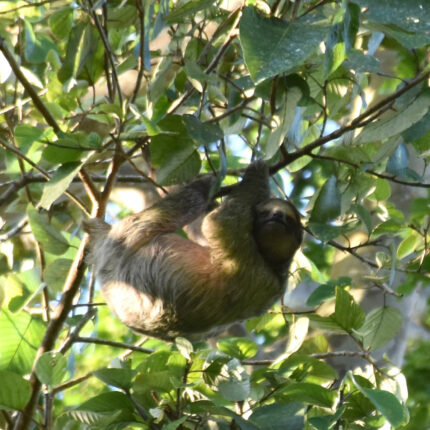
164,285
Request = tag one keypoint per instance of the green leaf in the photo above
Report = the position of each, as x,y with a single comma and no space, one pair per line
351,24
51,239
284,121
364,215
15,391
105,409
325,323
272,46
173,152
327,291
308,393
26,134
382,190
297,331
321,294
380,326
202,133
187,10
161,371
59,183
401,121
61,22
21,336
22,288
73,52
335,50
361,63
238,347
51,368
233,382
66,149
408,245
348,314
121,377
327,206
36,48
385,402
56,272
399,160
279,416
185,347
327,422
411,15
305,366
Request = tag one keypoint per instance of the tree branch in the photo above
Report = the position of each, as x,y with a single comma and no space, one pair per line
28,87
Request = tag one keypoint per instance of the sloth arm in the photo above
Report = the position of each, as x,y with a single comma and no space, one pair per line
229,228
166,216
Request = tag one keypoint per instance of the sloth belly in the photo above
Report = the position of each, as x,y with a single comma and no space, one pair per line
175,288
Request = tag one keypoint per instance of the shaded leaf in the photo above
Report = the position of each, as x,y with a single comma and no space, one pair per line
104,409
272,46
117,377
202,133
279,416
308,393
399,160
56,272
327,291
284,121
328,203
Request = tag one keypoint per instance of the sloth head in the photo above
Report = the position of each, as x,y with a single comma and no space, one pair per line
277,231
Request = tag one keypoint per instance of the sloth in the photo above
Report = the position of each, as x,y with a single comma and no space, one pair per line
162,284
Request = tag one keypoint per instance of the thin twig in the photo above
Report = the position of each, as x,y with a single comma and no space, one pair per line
71,383
44,173
141,64
113,343
108,51
41,107
391,178
358,122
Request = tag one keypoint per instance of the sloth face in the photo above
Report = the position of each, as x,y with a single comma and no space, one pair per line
277,230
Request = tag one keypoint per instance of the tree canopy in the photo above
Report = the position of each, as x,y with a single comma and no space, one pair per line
101,97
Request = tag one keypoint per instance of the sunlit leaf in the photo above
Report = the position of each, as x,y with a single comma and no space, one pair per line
385,402
51,368
21,337
15,391
380,326
239,347
386,128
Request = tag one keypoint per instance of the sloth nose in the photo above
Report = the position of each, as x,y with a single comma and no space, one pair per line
278,215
